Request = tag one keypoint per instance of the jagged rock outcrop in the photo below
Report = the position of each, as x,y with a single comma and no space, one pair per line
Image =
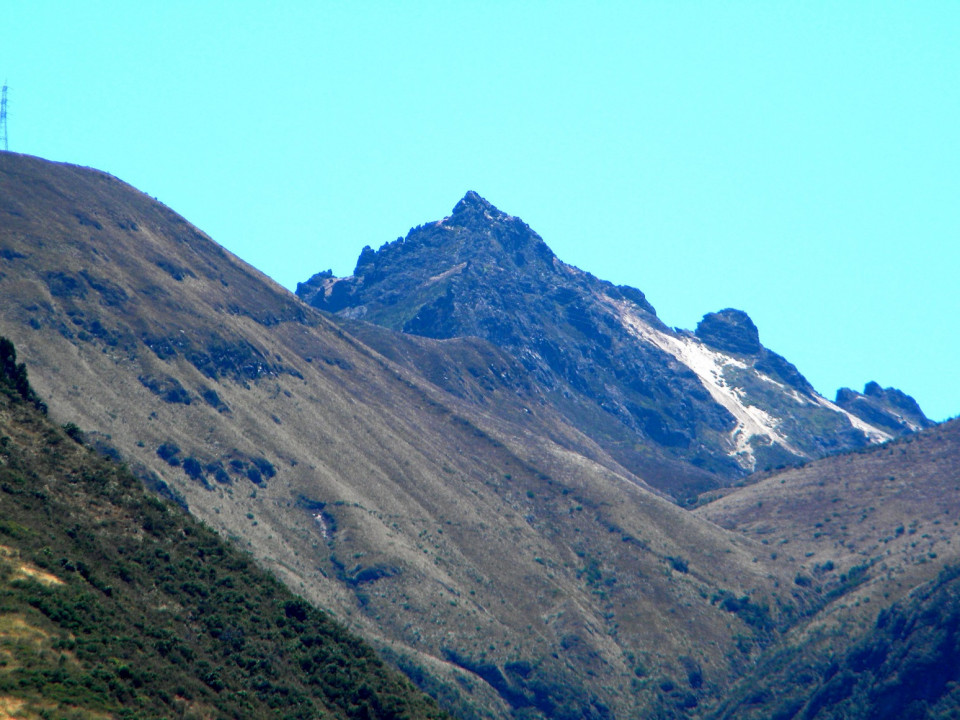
888,408
673,407
730,330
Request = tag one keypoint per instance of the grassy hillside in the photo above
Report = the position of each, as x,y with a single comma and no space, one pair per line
115,604
890,515
876,537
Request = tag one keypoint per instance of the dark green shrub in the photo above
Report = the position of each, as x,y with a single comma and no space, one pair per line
193,468
73,432
168,452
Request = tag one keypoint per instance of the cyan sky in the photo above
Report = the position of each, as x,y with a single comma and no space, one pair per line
800,161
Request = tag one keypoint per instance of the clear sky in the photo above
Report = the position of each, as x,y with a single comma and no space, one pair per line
800,161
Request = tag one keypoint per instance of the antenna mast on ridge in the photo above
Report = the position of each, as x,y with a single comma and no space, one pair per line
3,118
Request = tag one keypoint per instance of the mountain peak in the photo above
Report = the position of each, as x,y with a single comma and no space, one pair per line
473,205
730,330
889,408
474,199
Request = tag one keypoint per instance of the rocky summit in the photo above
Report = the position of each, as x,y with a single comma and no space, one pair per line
888,408
685,411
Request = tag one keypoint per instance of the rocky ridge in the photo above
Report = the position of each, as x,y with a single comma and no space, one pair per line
686,411
888,408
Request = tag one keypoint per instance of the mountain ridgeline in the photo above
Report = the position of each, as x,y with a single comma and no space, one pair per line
471,458
685,411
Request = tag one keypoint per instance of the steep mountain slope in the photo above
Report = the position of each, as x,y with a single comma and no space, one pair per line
113,604
685,411
513,568
870,528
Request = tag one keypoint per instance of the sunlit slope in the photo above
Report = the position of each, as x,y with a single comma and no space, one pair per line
464,543
893,510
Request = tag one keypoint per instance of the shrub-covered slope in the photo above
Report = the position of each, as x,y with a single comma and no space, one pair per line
905,665
116,604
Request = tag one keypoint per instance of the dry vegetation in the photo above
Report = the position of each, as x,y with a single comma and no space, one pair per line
892,511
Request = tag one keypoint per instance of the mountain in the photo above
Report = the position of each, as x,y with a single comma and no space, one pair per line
511,567
115,604
685,411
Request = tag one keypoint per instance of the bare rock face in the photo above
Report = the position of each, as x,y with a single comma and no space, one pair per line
730,330
888,408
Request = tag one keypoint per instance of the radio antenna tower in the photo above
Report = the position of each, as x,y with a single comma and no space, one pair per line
3,118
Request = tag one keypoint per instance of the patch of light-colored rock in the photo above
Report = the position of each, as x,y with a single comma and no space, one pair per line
873,433
708,365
